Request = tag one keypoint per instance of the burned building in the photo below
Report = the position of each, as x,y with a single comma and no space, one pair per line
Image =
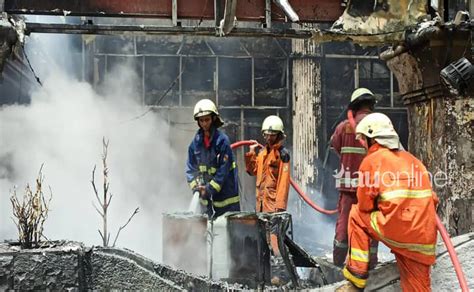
264,65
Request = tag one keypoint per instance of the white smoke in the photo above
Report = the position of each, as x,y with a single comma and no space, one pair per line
314,231
63,128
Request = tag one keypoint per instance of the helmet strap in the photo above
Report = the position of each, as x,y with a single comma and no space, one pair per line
370,142
280,136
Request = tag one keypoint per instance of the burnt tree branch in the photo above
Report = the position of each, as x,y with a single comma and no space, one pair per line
122,227
106,198
31,212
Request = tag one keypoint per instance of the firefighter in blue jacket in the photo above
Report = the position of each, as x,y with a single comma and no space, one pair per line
211,168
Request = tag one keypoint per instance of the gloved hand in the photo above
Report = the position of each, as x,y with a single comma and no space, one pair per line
202,192
254,146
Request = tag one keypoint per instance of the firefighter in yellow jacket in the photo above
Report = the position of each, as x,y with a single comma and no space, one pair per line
272,168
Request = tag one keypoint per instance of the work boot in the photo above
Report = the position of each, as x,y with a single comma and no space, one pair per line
278,271
348,287
372,265
276,281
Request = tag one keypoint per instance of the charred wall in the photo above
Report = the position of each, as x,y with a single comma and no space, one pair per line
72,266
441,136
441,124
248,78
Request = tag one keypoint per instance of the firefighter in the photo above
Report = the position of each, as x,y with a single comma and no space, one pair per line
351,152
211,168
272,168
396,205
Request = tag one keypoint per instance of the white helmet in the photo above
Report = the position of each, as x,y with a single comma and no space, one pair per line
379,127
360,95
206,107
272,124
376,125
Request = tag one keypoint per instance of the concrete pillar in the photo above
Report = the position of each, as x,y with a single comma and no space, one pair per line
306,98
440,124
471,8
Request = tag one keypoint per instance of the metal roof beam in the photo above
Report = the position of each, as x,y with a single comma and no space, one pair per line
32,27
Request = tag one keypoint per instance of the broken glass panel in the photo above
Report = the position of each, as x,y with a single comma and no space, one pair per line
270,82
235,81
198,79
161,73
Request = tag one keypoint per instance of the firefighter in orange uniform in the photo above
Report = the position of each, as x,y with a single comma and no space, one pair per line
396,205
350,152
272,168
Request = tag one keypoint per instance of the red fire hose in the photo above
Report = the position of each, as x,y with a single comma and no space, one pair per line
442,230
439,224
350,117
452,255
292,182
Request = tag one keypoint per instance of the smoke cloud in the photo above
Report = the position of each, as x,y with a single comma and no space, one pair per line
314,231
63,127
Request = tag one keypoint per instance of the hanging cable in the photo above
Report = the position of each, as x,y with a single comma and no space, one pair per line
31,67
173,83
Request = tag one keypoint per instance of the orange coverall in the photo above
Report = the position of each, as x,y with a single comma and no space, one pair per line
396,205
272,168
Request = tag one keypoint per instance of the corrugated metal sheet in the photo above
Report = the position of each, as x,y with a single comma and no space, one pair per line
307,10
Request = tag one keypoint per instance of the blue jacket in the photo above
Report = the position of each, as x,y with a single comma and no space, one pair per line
216,169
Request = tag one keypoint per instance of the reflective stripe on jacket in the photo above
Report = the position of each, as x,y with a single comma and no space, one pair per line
395,187
272,168
350,152
216,168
